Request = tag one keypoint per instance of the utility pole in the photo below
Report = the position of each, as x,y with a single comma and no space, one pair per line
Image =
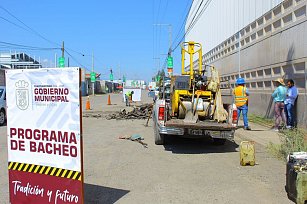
62,59
169,39
119,70
111,78
63,49
55,60
93,72
170,34
157,63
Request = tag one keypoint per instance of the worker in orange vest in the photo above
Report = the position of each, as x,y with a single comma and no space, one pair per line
241,100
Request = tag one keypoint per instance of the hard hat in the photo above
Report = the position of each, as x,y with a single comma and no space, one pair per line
240,81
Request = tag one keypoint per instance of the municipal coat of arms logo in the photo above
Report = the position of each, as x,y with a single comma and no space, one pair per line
22,94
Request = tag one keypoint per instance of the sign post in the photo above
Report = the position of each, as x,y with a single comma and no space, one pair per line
44,134
93,80
170,65
93,77
111,79
169,62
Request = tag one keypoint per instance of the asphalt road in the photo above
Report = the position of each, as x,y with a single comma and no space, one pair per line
182,171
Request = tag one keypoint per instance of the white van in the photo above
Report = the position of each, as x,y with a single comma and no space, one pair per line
2,105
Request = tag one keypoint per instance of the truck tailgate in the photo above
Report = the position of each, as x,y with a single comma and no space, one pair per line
206,125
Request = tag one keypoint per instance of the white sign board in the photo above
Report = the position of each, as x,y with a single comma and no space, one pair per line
137,95
43,114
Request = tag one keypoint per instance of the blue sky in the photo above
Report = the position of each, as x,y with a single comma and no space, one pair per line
119,33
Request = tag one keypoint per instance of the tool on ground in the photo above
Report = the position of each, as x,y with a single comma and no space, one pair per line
296,177
247,153
88,104
92,115
149,116
135,138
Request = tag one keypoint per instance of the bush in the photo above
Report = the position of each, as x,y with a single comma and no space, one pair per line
268,122
291,141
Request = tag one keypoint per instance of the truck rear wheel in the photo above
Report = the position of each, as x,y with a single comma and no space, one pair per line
159,138
2,117
219,141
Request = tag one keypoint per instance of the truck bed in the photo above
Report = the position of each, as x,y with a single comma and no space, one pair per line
206,125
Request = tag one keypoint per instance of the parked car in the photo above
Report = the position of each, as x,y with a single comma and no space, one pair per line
2,105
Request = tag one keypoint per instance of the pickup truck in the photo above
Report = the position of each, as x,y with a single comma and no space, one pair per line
165,125
190,105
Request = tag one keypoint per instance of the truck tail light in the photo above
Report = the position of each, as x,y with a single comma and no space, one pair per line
161,113
235,116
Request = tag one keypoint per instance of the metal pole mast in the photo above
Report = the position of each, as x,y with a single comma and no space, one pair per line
55,60
93,72
170,36
62,49
170,39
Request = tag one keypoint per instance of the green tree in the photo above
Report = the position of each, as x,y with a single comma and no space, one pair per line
159,77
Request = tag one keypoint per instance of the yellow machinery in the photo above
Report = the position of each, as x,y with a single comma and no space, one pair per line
189,91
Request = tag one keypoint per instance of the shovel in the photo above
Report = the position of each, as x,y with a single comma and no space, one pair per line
191,115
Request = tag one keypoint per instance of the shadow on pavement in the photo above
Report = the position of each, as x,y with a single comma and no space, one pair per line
101,194
179,145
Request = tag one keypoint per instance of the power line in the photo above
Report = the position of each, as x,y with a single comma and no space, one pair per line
157,34
32,30
200,14
184,21
74,59
27,46
194,20
189,27
158,13
23,48
165,9
7,20
80,53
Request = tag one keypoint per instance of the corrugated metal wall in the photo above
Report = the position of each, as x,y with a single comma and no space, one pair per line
260,43
223,18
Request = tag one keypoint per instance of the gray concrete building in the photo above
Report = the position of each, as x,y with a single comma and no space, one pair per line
16,60
259,41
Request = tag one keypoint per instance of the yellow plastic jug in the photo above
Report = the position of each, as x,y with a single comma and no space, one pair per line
247,153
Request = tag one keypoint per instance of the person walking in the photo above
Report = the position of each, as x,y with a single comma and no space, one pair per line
289,103
241,94
279,96
127,98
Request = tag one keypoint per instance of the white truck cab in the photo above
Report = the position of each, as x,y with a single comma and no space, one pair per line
2,105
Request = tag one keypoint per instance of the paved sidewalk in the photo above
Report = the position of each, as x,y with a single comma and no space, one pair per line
260,134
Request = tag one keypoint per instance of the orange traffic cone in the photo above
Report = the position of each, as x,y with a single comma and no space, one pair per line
88,104
109,100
